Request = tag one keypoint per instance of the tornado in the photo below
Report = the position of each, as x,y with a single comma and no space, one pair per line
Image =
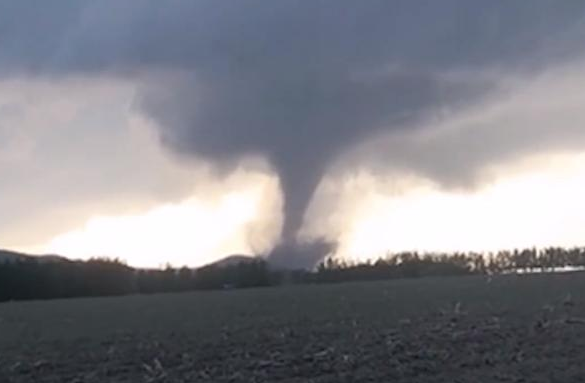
297,83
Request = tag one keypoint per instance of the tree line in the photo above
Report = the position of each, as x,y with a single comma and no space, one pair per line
29,279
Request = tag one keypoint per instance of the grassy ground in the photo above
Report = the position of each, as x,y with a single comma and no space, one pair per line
464,329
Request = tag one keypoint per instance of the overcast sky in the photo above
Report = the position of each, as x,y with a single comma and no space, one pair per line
194,129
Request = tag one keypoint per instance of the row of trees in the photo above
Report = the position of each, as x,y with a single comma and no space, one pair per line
29,279
414,264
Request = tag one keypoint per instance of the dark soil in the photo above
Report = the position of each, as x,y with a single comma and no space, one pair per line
512,329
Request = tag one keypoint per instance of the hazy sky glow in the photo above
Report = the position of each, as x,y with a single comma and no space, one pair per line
159,134
537,208
194,231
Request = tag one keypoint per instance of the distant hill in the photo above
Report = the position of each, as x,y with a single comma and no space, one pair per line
232,260
49,258
13,256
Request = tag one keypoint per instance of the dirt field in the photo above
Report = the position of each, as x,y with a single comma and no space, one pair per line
514,329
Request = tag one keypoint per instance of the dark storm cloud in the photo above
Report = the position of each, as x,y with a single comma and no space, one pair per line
297,82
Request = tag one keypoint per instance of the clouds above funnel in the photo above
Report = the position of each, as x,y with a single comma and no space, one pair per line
330,35
533,116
